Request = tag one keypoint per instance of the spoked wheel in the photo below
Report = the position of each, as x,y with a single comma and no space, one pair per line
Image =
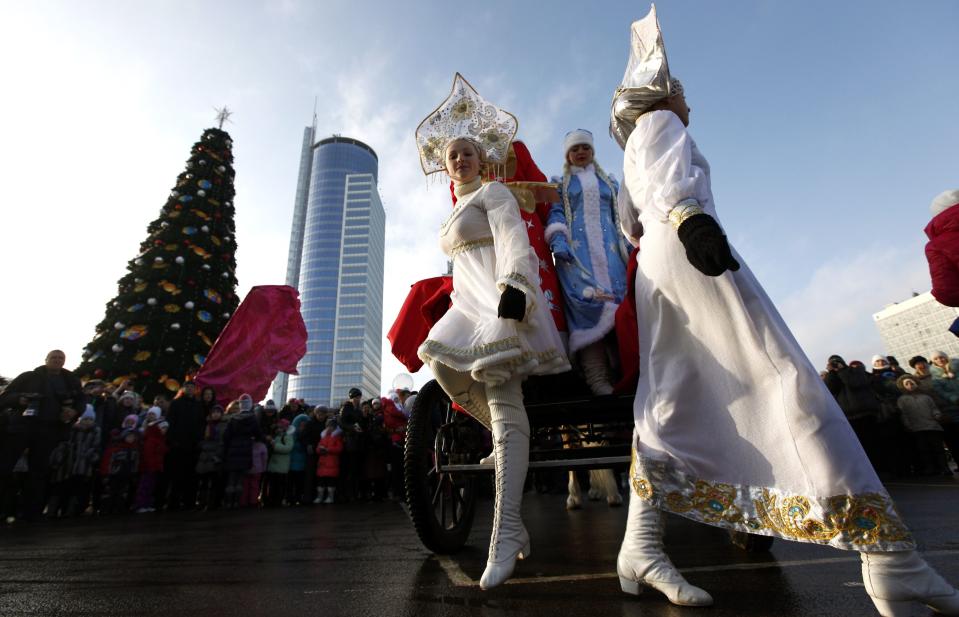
441,504
751,543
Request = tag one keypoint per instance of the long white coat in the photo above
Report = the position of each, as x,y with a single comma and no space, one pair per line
734,426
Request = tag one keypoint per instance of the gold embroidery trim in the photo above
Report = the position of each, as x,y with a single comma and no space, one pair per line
470,245
516,277
866,519
682,212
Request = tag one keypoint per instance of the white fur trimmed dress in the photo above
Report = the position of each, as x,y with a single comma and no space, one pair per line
734,426
486,239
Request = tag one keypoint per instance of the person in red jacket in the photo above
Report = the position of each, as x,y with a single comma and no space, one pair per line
328,461
394,422
151,464
942,251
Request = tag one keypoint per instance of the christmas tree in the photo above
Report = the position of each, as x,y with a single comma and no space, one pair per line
180,291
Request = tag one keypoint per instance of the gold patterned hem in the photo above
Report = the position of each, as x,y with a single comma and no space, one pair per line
471,245
861,522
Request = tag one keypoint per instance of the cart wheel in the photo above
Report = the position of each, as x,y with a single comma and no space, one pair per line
441,504
751,543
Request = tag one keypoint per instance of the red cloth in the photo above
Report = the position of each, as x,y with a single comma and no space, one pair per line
328,462
627,331
527,171
154,449
942,253
427,301
393,421
265,335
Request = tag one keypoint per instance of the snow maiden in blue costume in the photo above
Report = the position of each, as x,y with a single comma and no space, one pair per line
591,253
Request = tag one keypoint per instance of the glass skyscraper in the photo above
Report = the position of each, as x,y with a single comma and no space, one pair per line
336,262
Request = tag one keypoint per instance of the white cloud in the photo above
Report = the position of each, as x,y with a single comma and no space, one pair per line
833,312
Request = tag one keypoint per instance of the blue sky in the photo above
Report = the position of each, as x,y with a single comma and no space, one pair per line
829,127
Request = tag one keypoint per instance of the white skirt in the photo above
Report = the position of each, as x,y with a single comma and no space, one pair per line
734,426
471,338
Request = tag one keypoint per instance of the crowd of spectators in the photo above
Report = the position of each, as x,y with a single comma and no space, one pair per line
905,420
68,449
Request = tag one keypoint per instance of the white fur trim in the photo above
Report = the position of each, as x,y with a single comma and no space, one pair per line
577,137
581,338
944,201
554,228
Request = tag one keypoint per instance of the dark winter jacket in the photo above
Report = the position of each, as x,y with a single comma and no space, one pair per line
121,459
299,454
41,381
852,387
187,421
942,253
211,448
242,430
109,415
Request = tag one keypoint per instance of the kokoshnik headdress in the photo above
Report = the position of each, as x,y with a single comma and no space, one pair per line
464,114
647,78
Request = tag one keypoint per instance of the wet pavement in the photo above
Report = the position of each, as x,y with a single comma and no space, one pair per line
365,559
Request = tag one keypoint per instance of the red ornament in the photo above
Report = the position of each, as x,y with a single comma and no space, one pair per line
178,207
98,372
145,373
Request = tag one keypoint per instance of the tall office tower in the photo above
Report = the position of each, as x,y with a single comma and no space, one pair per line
300,203
917,327
339,271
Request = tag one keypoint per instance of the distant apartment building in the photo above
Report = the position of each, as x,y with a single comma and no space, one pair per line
917,327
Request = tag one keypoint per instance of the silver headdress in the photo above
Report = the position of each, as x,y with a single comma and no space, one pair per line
646,81
464,113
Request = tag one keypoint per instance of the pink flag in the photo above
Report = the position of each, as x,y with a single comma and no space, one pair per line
266,334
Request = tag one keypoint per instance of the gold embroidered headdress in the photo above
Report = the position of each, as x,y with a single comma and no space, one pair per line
464,113
646,80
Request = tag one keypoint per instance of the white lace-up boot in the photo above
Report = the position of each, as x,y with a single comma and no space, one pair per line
509,540
642,561
897,580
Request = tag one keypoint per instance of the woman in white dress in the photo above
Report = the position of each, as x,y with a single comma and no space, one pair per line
499,329
734,427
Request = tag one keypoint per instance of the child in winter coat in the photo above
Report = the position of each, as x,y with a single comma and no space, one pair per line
154,451
298,461
120,464
942,250
209,467
921,417
281,444
74,461
251,483
328,462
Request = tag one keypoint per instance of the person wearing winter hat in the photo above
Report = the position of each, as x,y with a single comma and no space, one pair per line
714,350
119,466
921,417
591,252
211,481
78,456
328,462
278,469
151,465
942,250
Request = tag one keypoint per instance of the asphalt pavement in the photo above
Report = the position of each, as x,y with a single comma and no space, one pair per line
365,559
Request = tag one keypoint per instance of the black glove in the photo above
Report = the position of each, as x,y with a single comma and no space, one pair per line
512,304
706,246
